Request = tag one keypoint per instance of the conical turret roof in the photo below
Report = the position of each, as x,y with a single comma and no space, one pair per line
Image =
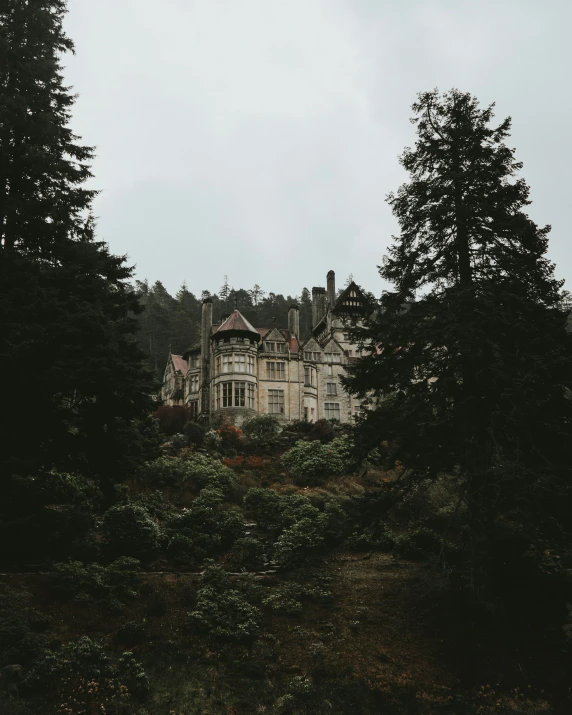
236,322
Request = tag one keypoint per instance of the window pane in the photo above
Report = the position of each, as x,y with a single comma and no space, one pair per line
239,389
250,395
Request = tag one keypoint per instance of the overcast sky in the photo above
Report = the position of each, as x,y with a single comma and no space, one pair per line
259,138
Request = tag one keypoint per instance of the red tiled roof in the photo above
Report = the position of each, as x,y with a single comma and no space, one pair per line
237,321
180,363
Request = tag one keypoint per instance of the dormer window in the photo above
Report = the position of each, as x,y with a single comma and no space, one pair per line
194,361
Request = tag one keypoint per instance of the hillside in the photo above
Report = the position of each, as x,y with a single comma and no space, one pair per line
261,588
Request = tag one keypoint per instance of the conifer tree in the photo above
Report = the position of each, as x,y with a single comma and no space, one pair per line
72,372
472,359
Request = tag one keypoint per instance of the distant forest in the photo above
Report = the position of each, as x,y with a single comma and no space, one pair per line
175,321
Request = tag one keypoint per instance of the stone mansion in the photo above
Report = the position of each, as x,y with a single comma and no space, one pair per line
236,370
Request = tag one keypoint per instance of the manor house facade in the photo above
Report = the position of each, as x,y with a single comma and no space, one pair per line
237,371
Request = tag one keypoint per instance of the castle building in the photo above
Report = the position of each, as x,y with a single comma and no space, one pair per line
237,371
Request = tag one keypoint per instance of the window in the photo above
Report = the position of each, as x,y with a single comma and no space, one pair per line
330,370
356,411
331,388
307,376
194,383
227,363
250,395
239,390
217,365
193,409
305,414
332,410
276,402
240,363
314,356
227,394
250,364
194,362
271,347
280,347
271,370
333,357
218,396
233,340
280,370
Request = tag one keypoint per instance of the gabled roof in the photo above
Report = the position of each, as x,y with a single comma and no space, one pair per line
293,344
351,300
179,363
238,323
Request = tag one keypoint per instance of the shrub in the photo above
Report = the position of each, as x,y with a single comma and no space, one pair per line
59,488
249,552
229,437
21,627
261,428
265,506
222,611
131,633
234,462
96,679
417,544
171,420
212,441
375,537
195,433
197,469
156,505
204,528
129,530
323,430
111,584
311,462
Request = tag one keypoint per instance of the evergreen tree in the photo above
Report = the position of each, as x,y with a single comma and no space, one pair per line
72,372
473,358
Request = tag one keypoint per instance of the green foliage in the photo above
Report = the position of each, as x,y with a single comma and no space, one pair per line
196,469
475,357
311,462
195,433
205,528
248,552
113,584
131,633
22,627
261,428
156,505
417,544
375,537
128,529
97,679
288,598
222,611
59,488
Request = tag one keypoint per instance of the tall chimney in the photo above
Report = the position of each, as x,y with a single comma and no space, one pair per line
318,305
294,320
206,329
331,283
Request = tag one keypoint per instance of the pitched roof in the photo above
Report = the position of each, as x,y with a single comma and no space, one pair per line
179,363
237,321
293,344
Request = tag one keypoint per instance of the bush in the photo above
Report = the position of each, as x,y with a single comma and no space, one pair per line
204,528
171,420
59,488
97,680
131,633
375,537
21,627
156,505
323,430
193,468
129,530
248,552
261,428
229,437
195,433
212,441
112,585
311,462
222,611
417,544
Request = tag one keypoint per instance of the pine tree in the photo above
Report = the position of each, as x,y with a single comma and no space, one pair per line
72,372
473,359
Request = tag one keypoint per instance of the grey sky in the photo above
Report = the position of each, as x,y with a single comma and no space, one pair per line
259,138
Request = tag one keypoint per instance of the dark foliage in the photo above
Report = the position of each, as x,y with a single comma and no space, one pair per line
171,420
471,375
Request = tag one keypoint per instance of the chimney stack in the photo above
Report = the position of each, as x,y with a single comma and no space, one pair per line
294,320
331,283
318,305
206,329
